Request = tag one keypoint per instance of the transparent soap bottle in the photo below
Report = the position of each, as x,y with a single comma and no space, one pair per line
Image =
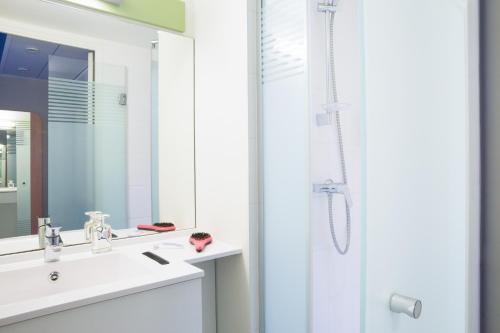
101,234
90,223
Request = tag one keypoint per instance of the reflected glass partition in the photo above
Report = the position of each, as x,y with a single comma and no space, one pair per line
87,143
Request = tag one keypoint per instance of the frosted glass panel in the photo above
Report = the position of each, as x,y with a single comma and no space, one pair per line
87,147
285,174
110,144
419,152
70,151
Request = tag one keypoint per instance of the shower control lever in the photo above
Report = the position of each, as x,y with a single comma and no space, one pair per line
409,306
330,187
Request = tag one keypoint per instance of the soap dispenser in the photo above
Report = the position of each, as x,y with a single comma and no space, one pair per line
90,223
101,234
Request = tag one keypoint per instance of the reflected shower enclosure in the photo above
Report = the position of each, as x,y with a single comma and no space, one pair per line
62,136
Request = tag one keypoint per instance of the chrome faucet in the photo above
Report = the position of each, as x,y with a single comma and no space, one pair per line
53,243
43,222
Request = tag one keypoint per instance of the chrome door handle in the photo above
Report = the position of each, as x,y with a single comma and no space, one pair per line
407,305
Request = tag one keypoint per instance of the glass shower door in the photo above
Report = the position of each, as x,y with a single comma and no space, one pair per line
421,171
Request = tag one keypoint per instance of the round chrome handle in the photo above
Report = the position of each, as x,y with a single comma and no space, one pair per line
407,305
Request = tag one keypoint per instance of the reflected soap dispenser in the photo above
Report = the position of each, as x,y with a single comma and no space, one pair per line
89,224
101,234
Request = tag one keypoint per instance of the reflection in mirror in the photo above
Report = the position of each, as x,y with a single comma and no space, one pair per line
173,173
86,143
63,152
15,189
103,121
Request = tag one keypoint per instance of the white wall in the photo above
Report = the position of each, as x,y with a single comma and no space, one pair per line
225,87
335,279
137,60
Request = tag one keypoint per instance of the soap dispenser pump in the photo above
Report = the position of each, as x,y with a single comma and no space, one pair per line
90,223
101,234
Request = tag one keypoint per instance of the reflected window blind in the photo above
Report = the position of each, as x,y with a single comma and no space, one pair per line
71,101
80,102
283,45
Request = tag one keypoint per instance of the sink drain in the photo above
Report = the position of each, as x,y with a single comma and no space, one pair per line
54,276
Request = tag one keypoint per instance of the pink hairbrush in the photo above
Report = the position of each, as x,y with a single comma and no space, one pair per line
158,227
200,240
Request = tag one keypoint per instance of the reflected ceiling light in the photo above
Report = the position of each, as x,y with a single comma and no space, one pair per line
7,124
22,69
31,49
8,136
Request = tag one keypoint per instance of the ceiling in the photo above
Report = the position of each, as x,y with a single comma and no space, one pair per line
31,58
16,59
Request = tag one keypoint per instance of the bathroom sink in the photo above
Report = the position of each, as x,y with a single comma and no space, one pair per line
33,282
35,288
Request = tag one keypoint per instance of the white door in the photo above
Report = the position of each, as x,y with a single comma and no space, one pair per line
421,146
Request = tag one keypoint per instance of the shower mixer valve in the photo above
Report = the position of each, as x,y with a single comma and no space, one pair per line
330,187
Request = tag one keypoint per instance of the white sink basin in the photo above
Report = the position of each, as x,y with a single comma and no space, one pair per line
33,282
27,292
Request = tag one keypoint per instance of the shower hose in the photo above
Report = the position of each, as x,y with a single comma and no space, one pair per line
334,97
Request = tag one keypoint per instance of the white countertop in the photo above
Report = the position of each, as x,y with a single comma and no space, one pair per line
180,250
30,242
80,289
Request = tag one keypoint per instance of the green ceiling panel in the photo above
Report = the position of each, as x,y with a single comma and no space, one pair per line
169,14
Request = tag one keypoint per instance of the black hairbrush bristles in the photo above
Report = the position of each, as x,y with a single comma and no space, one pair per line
200,235
163,225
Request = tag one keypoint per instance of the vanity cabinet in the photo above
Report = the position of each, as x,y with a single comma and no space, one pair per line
8,212
175,308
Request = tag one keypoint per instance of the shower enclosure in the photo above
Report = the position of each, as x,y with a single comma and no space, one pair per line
370,166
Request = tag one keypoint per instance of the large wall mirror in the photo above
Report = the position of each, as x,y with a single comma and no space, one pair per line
96,113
